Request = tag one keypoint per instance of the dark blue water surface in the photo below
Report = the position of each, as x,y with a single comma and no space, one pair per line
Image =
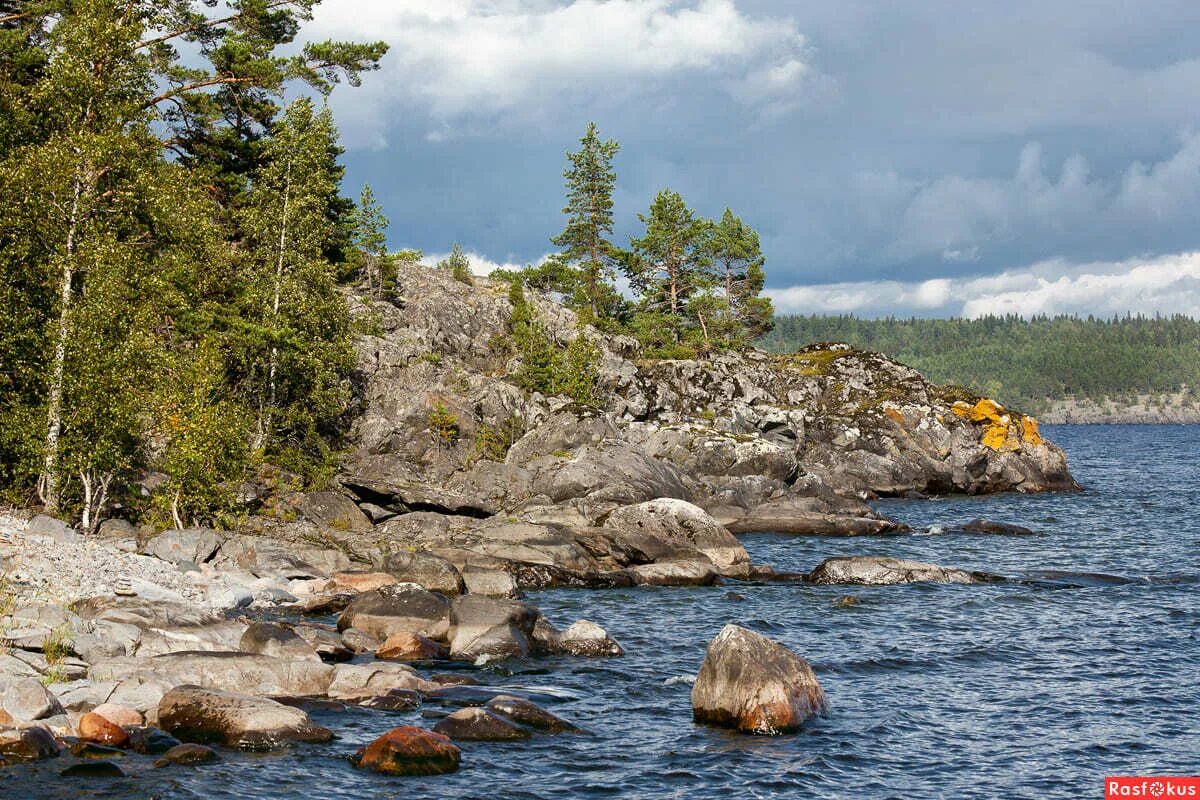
1025,689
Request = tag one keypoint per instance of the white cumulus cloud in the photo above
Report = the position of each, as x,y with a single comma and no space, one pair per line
455,58
1161,285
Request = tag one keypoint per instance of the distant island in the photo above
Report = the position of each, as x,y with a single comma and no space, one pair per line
1066,369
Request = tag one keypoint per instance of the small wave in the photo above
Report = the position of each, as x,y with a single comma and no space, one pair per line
675,680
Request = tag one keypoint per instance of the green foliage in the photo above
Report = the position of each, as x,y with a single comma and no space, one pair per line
492,442
147,302
546,366
369,241
457,264
1023,363
590,180
443,425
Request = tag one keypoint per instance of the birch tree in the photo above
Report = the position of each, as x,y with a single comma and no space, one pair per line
303,352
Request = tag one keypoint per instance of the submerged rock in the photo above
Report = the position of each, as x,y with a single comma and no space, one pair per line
886,571
27,744
94,769
205,716
409,750
995,528
754,685
187,755
480,725
529,714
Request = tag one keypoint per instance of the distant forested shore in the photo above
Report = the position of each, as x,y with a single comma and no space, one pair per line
1066,368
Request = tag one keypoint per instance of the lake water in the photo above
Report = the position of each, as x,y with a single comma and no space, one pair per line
1025,689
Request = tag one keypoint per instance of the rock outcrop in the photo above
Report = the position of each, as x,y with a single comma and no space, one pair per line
754,685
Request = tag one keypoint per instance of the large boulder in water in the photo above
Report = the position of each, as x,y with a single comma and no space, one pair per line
754,685
400,608
409,750
205,716
485,626
667,529
885,571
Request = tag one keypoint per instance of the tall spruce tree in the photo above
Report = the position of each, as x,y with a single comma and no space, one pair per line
369,240
590,180
735,248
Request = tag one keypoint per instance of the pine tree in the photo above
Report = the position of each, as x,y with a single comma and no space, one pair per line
669,262
737,253
457,264
370,239
590,182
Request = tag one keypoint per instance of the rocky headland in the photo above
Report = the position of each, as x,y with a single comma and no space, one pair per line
461,491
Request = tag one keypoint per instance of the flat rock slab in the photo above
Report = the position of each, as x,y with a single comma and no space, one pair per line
204,716
887,571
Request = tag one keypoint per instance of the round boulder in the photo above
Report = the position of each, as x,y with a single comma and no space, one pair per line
95,728
754,685
277,641
409,750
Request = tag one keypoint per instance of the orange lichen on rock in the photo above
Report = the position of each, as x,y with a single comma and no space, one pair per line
996,437
1030,432
986,411
896,416
961,408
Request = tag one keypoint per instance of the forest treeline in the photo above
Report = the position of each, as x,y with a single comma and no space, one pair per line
176,253
1023,362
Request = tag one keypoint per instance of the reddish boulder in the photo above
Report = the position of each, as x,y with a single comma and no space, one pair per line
409,750
410,647
98,729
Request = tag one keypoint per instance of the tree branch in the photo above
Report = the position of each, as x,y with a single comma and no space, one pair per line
199,26
191,87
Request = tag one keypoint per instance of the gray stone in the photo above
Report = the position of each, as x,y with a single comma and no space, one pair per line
204,716
52,528
484,626
400,608
754,685
426,570
195,545
886,571
667,529
26,700
270,639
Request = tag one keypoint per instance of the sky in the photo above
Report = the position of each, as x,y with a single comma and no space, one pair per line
929,158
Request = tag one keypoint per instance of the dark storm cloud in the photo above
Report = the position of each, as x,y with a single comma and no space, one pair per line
867,141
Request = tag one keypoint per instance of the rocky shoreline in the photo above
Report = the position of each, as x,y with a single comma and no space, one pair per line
416,557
